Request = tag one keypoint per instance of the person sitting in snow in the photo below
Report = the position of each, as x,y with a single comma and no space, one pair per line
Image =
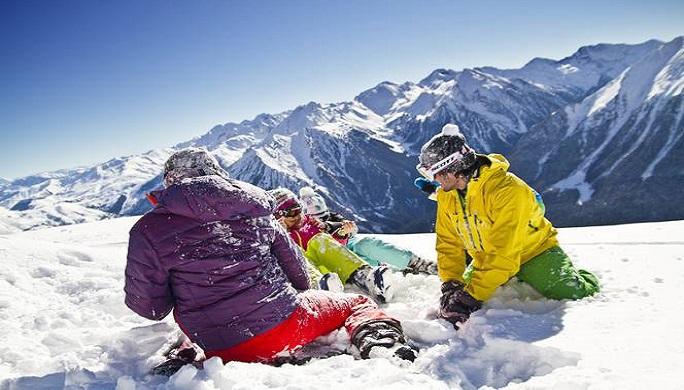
488,215
212,252
371,249
326,252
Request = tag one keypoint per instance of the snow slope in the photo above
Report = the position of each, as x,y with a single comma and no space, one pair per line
7,225
64,323
85,194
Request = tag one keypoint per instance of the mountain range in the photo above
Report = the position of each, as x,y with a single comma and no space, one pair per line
598,134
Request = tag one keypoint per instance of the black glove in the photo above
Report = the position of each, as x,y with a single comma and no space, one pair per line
456,304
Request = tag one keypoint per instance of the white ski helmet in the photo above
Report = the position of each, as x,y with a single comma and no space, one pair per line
312,203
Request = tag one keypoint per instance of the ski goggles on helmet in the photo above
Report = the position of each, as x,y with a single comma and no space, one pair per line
430,172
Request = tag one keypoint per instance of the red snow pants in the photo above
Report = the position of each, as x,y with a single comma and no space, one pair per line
317,313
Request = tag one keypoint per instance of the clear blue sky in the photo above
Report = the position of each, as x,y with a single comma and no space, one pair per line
85,81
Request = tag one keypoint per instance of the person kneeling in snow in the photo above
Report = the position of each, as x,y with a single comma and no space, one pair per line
371,249
212,251
326,252
489,215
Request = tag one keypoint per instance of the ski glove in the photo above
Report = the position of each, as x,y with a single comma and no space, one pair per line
456,304
425,185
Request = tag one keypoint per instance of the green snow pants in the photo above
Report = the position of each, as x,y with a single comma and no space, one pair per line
553,275
376,251
328,255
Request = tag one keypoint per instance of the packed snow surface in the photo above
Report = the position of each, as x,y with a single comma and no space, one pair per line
64,323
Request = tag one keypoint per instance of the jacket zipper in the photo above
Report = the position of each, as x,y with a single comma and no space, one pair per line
465,218
477,229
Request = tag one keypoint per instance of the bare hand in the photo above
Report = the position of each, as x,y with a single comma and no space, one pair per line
347,228
319,223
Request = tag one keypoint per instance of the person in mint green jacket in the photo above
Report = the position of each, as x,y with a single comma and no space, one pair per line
371,249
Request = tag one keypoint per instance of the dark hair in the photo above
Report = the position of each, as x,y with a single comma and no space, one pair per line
480,160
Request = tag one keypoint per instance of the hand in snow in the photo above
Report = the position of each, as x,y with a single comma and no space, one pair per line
456,304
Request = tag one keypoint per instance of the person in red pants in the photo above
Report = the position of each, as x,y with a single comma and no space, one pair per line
320,312
212,252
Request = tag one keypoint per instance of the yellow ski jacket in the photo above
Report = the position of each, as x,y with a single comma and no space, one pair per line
498,222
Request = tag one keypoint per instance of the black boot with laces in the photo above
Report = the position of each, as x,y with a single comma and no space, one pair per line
382,334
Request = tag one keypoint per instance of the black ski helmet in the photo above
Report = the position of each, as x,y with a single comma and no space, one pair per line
446,151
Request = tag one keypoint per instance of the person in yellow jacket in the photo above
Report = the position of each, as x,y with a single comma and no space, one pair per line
490,227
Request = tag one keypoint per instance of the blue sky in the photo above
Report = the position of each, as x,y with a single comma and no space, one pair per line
84,81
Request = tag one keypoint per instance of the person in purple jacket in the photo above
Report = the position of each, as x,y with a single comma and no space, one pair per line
212,252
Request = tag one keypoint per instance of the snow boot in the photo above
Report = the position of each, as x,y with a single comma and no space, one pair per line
419,265
406,352
331,282
382,339
376,281
179,355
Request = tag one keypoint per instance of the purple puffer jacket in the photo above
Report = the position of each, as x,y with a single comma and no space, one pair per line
212,251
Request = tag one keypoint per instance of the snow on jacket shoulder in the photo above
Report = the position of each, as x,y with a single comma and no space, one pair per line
212,251
499,223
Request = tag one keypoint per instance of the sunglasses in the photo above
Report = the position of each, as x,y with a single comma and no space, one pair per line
291,213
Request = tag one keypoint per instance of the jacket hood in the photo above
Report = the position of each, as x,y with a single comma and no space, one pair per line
498,164
214,198
496,169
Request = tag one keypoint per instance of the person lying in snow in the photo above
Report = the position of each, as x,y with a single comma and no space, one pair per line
490,215
371,249
212,252
327,252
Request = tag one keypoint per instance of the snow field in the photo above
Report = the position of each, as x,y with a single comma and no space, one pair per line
64,323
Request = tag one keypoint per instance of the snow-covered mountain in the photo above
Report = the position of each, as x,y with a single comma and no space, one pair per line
86,194
617,155
598,132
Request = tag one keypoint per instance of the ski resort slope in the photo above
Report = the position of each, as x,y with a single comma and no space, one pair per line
64,323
